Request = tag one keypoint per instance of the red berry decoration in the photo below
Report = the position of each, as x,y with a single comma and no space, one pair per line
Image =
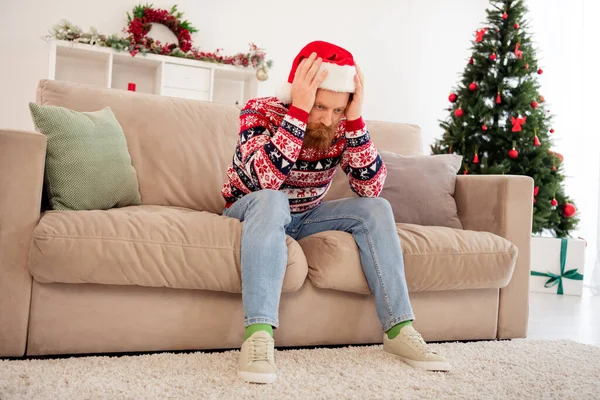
505,16
554,203
513,153
516,26
484,128
534,104
552,130
452,97
473,87
569,210
493,57
536,190
540,71
536,141
459,113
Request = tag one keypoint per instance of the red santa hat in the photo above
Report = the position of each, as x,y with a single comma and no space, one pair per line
338,62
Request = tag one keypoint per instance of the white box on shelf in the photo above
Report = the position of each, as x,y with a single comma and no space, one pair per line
557,265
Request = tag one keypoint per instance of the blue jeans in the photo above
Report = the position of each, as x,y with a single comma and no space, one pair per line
267,219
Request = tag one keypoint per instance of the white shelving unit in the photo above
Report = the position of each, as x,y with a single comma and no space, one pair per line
151,73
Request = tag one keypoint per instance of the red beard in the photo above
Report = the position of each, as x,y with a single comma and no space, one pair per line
318,136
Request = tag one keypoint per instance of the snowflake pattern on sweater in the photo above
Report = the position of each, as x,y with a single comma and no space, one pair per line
269,155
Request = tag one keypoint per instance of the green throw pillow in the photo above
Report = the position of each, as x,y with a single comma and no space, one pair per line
88,166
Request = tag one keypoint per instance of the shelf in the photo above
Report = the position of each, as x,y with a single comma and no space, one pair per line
151,73
138,61
78,53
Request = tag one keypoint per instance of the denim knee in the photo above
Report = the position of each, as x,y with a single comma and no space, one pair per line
271,204
376,210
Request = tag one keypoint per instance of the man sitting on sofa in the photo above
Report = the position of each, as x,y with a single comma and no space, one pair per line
288,149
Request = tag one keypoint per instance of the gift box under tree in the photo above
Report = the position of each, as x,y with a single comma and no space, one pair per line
557,265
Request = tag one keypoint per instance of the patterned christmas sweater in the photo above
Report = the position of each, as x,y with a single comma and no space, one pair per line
269,155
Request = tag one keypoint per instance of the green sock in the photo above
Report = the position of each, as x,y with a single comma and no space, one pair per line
258,327
395,330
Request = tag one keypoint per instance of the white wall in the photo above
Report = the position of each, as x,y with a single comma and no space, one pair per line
418,46
412,53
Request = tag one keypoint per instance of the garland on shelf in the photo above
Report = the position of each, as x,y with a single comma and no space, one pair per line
138,40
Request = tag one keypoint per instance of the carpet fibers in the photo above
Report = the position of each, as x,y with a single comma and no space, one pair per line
481,370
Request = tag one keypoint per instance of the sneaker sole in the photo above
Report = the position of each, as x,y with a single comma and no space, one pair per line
255,377
425,365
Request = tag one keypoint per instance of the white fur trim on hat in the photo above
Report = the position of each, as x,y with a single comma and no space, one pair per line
340,78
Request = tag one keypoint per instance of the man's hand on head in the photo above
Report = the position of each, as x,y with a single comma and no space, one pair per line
354,110
306,82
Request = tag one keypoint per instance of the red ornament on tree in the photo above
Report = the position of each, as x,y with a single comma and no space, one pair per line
484,128
554,168
517,123
513,153
516,26
452,97
569,210
534,104
551,130
542,98
498,98
476,158
479,33
536,190
554,203
473,87
536,141
560,157
493,57
471,61
459,113
540,71
518,53
526,66
505,16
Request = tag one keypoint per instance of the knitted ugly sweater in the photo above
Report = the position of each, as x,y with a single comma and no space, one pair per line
269,155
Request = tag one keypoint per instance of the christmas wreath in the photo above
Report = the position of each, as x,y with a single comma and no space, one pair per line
141,23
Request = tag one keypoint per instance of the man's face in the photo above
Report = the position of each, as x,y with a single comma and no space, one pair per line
324,118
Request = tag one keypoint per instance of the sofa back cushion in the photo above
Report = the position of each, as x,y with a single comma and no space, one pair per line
395,137
179,148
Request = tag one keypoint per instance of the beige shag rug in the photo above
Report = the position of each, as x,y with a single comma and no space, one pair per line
483,370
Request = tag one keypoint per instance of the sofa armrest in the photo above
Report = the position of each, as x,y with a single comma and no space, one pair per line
503,205
22,158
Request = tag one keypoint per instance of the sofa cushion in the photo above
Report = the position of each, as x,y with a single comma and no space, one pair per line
88,166
435,258
147,246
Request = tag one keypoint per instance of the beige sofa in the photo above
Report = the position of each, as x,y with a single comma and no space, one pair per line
166,275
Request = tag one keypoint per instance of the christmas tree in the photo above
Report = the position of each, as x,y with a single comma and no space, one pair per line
499,121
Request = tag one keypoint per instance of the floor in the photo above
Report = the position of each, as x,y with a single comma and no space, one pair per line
565,317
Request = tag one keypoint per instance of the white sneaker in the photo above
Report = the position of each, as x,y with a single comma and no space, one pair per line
257,359
410,347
